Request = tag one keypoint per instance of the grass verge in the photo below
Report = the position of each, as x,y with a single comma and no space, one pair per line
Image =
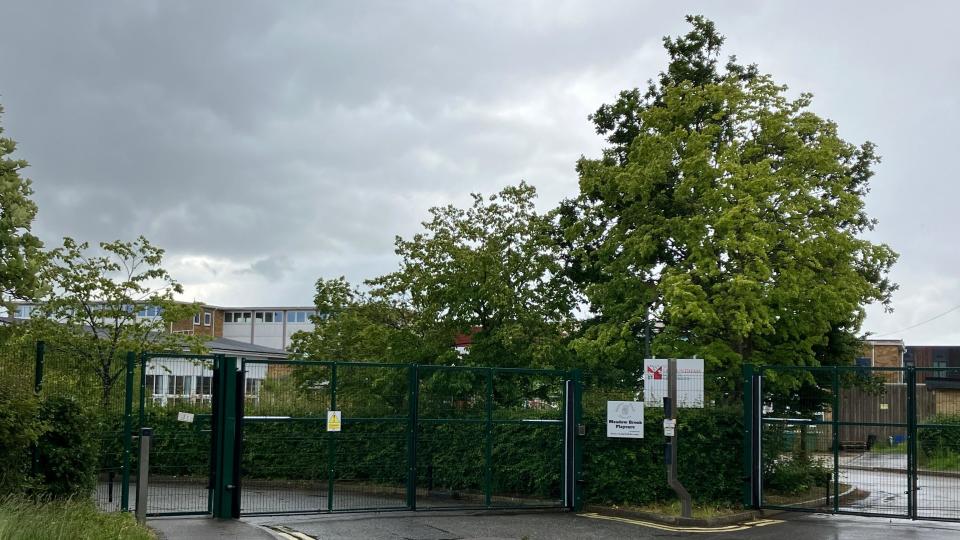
22,519
699,511
943,461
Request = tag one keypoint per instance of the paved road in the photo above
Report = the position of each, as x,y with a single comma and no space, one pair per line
564,526
938,495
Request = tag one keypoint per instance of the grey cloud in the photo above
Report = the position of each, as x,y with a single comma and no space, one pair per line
243,133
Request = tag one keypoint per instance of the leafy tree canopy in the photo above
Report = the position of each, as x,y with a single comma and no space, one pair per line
21,254
490,271
728,213
92,308
352,325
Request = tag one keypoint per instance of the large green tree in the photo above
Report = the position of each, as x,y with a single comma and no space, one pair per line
725,214
490,271
21,253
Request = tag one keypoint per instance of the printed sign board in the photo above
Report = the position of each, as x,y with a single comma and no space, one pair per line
185,417
333,420
689,382
669,427
625,419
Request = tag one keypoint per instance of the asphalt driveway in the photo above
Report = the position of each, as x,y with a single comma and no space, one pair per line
562,526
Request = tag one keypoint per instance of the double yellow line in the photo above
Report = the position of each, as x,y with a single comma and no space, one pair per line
671,528
289,534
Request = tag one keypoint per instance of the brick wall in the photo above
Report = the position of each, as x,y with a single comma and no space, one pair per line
885,355
215,329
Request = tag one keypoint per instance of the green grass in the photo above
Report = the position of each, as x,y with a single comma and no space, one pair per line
700,511
74,520
945,461
887,449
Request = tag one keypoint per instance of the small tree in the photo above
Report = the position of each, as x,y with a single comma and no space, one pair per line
92,309
21,254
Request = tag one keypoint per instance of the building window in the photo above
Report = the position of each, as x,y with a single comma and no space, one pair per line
207,318
152,384
940,362
269,317
149,311
176,385
296,316
253,386
204,386
236,317
196,319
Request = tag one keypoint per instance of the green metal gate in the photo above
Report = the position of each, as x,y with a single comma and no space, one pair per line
411,437
861,440
180,395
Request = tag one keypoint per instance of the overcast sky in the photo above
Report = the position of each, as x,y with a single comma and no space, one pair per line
267,144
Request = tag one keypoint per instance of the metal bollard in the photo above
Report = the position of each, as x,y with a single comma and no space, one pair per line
143,473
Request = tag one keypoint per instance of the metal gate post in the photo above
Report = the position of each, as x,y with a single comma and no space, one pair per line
127,431
747,380
332,439
37,386
226,420
488,452
141,414
413,397
240,398
213,460
143,475
835,413
911,443
755,452
580,432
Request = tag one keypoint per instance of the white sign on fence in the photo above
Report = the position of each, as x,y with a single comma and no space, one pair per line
625,419
185,417
669,427
689,382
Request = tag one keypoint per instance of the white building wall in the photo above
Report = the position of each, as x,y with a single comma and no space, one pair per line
237,331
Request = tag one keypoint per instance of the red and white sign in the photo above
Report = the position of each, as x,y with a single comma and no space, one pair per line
689,382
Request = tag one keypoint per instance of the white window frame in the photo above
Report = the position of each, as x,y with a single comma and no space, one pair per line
207,318
196,319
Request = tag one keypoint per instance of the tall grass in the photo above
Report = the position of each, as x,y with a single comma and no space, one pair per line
22,519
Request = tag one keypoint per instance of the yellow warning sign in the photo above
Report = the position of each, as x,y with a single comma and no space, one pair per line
333,420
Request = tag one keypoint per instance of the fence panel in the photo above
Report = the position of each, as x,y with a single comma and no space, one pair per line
177,402
938,443
896,449
99,383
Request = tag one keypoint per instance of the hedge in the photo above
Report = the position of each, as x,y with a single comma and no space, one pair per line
60,432
527,458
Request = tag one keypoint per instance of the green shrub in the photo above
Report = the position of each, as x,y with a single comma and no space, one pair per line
20,428
795,475
67,451
942,440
